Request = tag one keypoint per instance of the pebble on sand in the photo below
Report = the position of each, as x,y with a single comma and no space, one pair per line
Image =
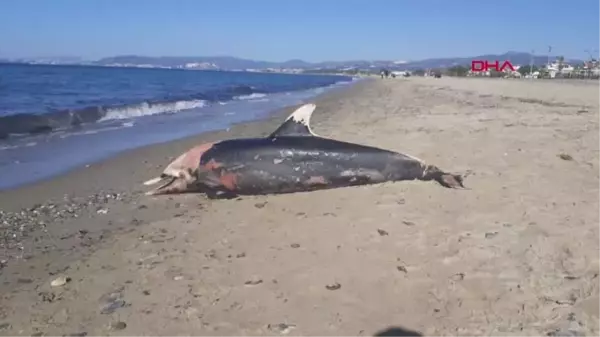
117,325
253,281
382,232
334,286
60,281
281,328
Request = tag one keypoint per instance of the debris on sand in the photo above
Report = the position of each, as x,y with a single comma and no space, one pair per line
117,325
565,156
253,281
60,281
16,226
333,286
281,328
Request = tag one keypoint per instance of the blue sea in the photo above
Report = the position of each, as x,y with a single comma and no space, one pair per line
56,118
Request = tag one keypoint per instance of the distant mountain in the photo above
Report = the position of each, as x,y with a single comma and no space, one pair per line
516,58
228,62
47,60
235,63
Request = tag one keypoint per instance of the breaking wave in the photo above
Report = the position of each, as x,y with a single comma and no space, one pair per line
51,121
147,109
251,96
20,124
42,122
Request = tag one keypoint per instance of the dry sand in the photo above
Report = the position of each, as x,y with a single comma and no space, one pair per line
516,254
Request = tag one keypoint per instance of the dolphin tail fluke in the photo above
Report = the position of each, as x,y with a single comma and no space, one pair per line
445,179
450,180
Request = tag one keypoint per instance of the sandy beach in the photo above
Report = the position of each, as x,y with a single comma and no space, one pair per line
515,254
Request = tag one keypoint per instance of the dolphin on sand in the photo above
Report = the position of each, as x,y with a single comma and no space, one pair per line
291,159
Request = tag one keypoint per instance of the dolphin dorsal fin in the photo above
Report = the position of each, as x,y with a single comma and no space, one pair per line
297,124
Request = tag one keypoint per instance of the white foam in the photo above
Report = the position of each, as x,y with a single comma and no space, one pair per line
146,109
251,96
11,147
95,131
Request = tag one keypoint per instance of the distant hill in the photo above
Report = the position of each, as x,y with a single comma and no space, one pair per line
516,58
229,62
235,63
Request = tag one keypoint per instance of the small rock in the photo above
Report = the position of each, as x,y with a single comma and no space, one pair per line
60,281
382,232
565,333
5,326
111,307
281,328
102,211
253,281
408,223
135,222
402,269
565,156
333,286
113,295
47,296
146,292
490,235
117,325
295,245
458,277
178,278
260,204
240,255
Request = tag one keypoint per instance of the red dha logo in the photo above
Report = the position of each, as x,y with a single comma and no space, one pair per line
482,66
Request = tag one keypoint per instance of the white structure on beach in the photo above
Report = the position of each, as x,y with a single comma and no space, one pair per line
558,68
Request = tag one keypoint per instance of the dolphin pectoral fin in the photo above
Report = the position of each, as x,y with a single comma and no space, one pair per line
209,178
216,193
297,124
212,185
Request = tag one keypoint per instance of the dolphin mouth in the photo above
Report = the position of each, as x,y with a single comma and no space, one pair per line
167,182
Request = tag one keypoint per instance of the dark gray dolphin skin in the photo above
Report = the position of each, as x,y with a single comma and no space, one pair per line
291,159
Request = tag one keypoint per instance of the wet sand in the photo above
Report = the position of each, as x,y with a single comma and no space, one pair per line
516,254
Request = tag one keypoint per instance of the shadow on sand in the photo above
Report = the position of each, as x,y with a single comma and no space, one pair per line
397,331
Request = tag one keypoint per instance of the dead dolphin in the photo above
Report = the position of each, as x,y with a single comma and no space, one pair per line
292,159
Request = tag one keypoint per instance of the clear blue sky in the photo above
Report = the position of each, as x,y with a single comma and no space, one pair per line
312,30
